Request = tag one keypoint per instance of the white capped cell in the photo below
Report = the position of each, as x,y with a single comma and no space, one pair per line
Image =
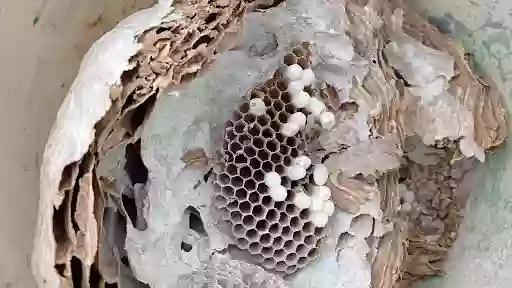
299,119
308,77
329,207
302,200
316,107
290,129
257,107
295,87
272,179
300,99
278,193
319,219
321,192
296,172
320,174
317,203
293,72
327,120
303,161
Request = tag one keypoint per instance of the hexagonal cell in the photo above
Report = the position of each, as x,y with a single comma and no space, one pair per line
223,179
272,215
231,169
232,205
302,250
290,59
278,243
258,142
238,230
258,175
319,231
291,269
309,240
279,254
244,139
282,86
220,201
252,235
254,197
276,157
308,228
239,127
290,109
281,266
245,207
262,225
294,152
255,163
241,159
289,246
298,236
295,223
278,106
248,221
276,126
292,210
302,261
242,243
281,206
230,134
245,172
283,117
227,191
284,219
303,62
267,201
254,248
244,108
262,189
254,129
269,263
275,229
287,232
237,182
263,154
312,253
250,151
267,166
304,215
299,52
288,160
236,217
266,239
291,142
285,96
274,93
264,120
241,194
249,118
267,252
268,133
258,211
291,259
281,138
250,185
284,150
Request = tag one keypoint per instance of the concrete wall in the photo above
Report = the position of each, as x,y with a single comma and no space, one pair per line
43,42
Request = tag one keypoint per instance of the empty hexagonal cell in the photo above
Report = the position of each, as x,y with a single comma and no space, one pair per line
291,259
283,117
281,266
248,221
285,180
239,127
284,150
255,248
255,163
282,86
258,142
279,254
231,169
230,134
284,219
288,160
274,93
275,229
245,207
262,225
302,261
266,239
308,228
244,139
294,152
252,235
276,158
250,151
268,133
304,215
263,154
278,243
254,129
262,188
236,217
312,253
285,97
249,118
303,62
241,159
291,269
302,250
267,201
264,120
281,206
291,142
254,197
241,194
232,205
250,185
310,240
290,109
272,216
258,175
267,252
287,232
237,182
244,108
245,171
220,201
275,125
242,243
292,210
227,191
267,166
258,211
290,59
239,230
296,223
319,231
278,106
257,94
298,236
223,179
269,263
289,246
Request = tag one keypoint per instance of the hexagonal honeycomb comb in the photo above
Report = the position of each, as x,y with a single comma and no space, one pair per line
279,232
